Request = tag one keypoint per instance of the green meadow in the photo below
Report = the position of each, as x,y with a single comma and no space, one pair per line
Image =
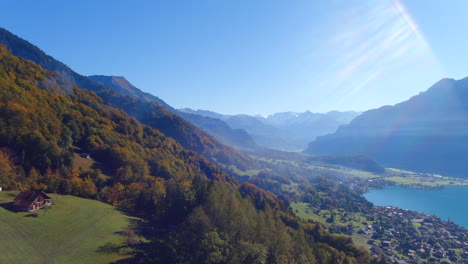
73,230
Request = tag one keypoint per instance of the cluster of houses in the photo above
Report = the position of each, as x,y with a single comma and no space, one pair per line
402,237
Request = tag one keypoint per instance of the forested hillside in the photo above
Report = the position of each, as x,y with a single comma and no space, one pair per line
148,111
194,212
217,128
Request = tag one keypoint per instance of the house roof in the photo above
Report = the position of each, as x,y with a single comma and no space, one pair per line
27,197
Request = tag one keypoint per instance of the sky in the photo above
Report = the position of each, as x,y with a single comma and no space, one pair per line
255,57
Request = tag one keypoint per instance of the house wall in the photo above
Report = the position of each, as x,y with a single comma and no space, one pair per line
38,203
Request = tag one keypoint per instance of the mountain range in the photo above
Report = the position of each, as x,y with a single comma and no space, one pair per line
215,127
147,108
427,133
288,131
210,135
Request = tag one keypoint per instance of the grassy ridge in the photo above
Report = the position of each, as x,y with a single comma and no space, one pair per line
70,232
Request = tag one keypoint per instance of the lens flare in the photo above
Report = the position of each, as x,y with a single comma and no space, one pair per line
370,42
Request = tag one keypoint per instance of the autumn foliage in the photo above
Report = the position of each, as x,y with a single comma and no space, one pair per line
193,211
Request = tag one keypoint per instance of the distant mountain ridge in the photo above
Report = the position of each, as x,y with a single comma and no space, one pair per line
215,127
237,138
284,131
121,85
427,133
206,113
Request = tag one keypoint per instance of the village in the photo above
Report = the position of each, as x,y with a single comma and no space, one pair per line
393,234
402,236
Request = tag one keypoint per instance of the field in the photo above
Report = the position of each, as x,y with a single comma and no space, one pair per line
395,176
399,177
304,211
87,164
402,177
71,231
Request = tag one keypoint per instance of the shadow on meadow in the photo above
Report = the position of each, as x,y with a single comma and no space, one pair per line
136,249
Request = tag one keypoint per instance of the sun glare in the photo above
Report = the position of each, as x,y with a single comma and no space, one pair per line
371,41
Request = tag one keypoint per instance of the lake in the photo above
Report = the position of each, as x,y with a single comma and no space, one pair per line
450,201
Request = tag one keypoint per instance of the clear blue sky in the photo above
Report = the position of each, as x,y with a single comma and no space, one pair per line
255,57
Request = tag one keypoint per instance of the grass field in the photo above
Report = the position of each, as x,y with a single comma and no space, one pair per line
88,164
397,176
305,212
71,231
82,163
402,177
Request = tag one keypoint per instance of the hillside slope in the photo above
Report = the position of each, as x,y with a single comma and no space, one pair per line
215,127
146,111
121,85
72,231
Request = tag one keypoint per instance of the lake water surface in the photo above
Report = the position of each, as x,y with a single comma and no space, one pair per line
450,201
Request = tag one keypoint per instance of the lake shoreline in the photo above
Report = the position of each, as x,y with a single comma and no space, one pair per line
443,202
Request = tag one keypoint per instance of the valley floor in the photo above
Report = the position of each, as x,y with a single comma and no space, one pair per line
332,195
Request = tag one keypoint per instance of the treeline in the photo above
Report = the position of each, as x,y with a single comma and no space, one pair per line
193,211
228,228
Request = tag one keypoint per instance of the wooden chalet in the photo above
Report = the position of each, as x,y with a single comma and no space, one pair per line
32,200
